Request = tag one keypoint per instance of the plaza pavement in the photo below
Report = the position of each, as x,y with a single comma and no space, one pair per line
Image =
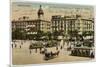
21,56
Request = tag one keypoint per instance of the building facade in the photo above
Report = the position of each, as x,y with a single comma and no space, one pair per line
68,23
32,26
59,24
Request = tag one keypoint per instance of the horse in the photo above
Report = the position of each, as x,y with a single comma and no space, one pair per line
42,52
51,55
47,56
57,53
54,54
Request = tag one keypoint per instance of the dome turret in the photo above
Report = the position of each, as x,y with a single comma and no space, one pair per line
40,12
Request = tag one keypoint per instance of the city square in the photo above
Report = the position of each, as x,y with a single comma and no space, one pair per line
51,33
22,55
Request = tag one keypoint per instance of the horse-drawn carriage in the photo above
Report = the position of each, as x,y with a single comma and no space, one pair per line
50,55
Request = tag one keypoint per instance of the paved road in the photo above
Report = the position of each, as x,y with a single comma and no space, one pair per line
22,55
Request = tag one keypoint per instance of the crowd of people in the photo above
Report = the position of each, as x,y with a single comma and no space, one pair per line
14,44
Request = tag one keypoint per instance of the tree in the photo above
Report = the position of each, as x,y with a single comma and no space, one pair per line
49,34
39,34
18,34
55,34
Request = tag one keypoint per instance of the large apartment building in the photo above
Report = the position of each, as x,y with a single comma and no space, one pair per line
68,23
32,26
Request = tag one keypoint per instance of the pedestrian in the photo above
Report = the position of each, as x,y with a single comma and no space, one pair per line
36,50
61,47
51,52
20,46
30,52
15,45
56,48
40,49
92,55
12,45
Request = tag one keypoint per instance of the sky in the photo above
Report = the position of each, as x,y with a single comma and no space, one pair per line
22,8
83,2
